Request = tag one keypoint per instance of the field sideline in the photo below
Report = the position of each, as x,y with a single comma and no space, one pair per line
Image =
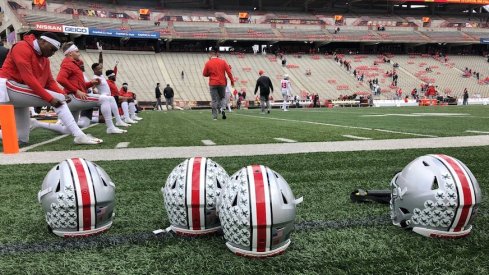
334,236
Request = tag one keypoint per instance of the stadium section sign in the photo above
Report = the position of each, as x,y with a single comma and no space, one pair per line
484,40
129,34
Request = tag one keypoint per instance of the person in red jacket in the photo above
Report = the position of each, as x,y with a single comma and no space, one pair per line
131,100
71,77
26,81
217,69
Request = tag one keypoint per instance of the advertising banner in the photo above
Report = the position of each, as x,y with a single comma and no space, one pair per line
128,34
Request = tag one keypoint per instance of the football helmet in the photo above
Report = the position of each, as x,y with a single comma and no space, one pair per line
78,198
257,212
435,196
190,195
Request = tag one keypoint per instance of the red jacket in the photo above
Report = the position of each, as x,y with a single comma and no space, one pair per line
70,76
25,66
126,93
113,88
216,69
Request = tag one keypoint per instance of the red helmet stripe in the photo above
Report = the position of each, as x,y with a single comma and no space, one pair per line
195,191
465,193
262,208
85,205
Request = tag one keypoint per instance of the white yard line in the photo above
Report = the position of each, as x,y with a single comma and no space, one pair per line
404,133
24,149
338,125
285,140
208,142
356,137
122,145
477,132
246,150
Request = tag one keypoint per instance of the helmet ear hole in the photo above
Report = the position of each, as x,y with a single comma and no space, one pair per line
58,186
104,183
57,167
425,163
404,210
174,184
284,199
235,201
435,185
218,184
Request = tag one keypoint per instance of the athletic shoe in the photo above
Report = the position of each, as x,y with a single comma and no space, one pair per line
33,124
223,115
115,130
85,139
136,118
214,119
122,124
129,121
94,138
286,110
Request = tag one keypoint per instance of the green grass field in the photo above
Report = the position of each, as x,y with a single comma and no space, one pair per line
350,238
189,128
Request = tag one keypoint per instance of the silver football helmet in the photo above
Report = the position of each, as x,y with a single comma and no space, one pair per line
257,212
191,193
78,198
436,196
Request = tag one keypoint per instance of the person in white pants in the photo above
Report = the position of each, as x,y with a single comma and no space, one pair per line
71,78
286,88
26,81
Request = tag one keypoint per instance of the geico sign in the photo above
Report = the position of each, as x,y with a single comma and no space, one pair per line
71,29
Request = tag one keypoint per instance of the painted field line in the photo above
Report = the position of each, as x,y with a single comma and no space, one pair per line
338,125
245,150
208,142
477,132
122,145
25,149
285,140
404,133
356,137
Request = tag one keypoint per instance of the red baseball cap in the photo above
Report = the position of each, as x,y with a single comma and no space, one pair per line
260,72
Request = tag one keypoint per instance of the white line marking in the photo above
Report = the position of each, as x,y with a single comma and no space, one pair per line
404,133
356,137
285,140
341,126
25,149
245,150
476,132
122,145
208,142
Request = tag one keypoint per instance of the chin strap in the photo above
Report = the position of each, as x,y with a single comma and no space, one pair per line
380,196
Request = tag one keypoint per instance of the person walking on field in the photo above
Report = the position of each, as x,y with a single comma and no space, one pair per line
169,94
265,85
158,97
217,69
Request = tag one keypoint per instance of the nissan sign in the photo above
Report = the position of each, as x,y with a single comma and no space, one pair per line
48,27
77,30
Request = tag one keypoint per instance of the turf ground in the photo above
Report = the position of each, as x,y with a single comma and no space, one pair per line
333,236
189,128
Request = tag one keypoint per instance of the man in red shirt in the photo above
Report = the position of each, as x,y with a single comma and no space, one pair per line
71,78
131,100
216,69
26,81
